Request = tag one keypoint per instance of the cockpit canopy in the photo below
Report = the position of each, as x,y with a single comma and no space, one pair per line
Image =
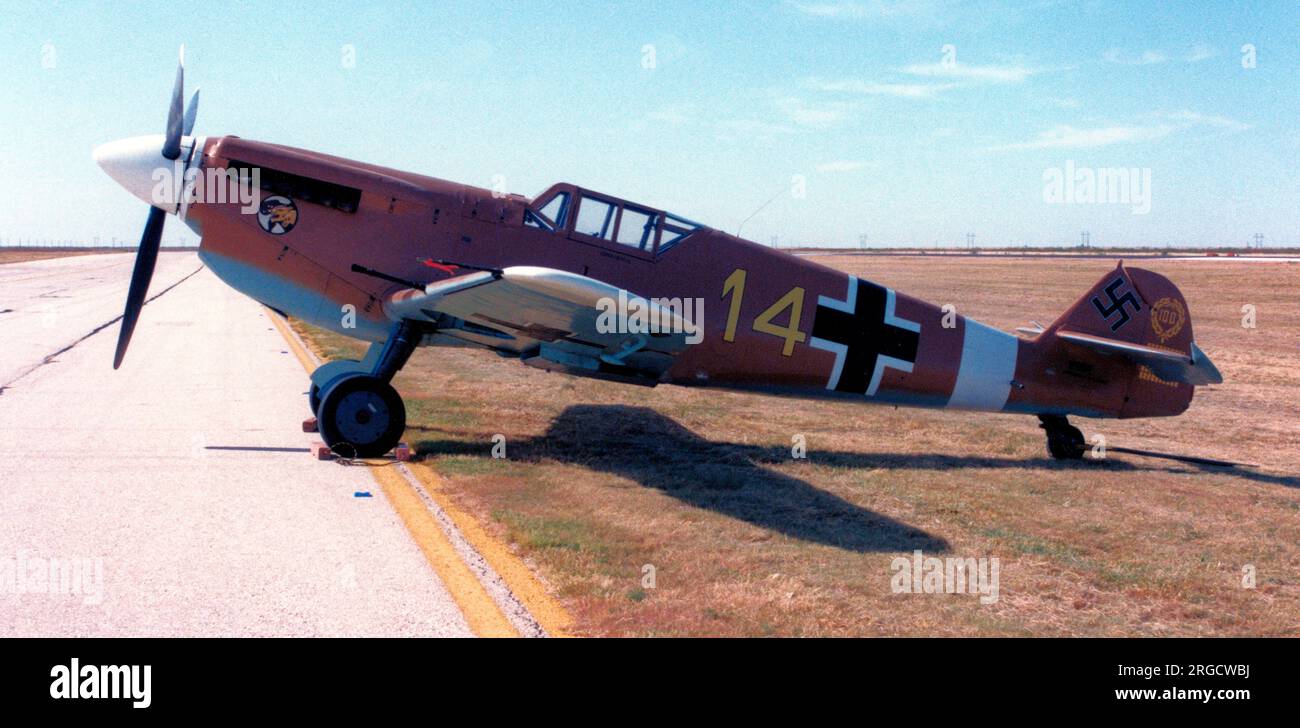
591,216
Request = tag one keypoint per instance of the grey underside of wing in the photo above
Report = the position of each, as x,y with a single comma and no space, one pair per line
554,315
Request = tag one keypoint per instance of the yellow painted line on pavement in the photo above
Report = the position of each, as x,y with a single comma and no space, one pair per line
518,577
300,353
481,612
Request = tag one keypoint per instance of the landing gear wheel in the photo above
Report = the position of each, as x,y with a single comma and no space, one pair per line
314,395
360,416
324,376
1064,441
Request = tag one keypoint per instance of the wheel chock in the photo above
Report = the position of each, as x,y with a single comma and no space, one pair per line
309,425
321,451
402,453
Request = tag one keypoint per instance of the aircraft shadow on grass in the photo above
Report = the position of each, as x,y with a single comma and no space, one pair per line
728,478
929,461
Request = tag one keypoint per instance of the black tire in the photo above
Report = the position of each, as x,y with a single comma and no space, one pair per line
360,416
1065,443
313,394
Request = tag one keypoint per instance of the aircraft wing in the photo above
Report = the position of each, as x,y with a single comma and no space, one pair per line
554,320
1171,366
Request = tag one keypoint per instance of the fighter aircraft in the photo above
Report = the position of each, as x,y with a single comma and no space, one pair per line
567,280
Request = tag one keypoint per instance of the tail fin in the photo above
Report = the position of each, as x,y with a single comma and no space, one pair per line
1140,316
1133,305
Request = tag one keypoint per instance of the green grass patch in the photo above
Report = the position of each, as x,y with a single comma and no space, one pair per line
470,465
545,532
441,413
331,346
1027,544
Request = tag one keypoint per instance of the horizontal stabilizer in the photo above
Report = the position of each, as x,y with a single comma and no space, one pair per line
1171,366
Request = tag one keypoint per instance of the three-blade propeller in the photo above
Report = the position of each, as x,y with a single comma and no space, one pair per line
180,123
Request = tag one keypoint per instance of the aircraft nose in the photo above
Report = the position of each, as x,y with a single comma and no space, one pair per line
138,165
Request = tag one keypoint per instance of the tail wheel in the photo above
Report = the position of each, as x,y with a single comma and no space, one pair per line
360,416
1065,443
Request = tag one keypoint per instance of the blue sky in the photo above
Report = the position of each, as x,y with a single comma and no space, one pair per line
708,110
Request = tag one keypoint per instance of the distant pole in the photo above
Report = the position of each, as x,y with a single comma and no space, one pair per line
862,241
970,240
775,242
1085,239
1259,240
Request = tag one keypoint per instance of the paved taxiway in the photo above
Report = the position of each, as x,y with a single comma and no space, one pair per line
184,474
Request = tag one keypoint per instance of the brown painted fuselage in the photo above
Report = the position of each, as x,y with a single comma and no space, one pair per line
771,321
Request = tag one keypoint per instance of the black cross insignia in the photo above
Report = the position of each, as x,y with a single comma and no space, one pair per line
1116,305
865,335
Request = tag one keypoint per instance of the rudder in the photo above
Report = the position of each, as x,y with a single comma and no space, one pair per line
1143,308
1134,305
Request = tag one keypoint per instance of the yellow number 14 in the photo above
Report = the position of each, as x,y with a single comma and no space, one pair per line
735,287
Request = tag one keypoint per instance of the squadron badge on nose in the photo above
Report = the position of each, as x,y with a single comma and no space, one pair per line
277,215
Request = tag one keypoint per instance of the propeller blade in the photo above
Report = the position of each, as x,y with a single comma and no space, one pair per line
191,112
145,259
172,145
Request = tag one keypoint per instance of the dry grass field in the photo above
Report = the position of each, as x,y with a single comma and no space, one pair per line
20,255
602,481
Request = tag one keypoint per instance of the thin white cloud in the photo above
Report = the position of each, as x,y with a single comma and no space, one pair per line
1215,120
1066,136
673,116
989,74
1120,56
841,165
1146,58
730,129
900,90
848,9
931,80
787,115
1162,124
815,117
800,112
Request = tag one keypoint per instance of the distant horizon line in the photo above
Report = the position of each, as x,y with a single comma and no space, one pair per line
804,247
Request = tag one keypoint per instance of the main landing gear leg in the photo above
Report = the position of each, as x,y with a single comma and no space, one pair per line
1064,441
360,414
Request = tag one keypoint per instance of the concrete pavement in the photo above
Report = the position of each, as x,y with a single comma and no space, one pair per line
183,477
